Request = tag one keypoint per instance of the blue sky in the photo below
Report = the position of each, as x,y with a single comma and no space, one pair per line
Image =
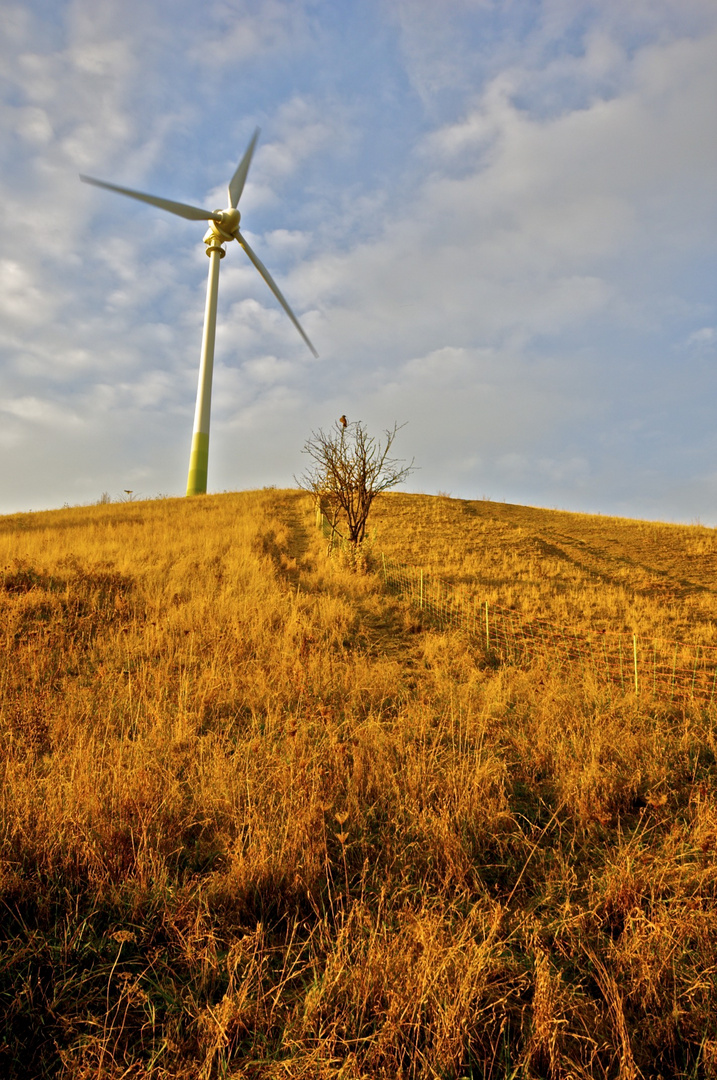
497,221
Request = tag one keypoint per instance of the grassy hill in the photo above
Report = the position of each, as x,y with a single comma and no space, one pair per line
261,819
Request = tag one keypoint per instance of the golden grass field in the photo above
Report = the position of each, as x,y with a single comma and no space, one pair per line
260,820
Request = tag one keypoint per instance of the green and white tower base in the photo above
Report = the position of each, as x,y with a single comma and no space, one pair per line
199,456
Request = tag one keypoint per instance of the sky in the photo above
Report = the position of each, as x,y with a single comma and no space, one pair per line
495,219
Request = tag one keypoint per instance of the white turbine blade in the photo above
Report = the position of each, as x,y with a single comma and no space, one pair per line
192,213
274,288
236,184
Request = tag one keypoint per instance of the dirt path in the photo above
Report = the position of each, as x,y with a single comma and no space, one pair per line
389,625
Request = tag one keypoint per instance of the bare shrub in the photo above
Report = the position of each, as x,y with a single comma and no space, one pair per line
349,469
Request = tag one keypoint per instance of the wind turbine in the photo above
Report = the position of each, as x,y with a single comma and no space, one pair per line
224,227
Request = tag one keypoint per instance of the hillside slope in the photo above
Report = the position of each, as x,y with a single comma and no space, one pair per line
585,569
260,820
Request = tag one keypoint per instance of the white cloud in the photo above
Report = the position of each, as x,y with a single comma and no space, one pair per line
269,369
40,411
437,54
233,33
525,470
703,339
526,239
21,300
302,129
38,75
282,242
33,125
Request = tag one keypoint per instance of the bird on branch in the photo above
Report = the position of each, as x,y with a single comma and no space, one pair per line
343,421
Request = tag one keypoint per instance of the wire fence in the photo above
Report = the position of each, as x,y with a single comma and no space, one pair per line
673,670
329,529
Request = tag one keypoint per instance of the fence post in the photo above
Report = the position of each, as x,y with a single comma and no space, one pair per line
694,672
420,595
634,654
385,575
487,629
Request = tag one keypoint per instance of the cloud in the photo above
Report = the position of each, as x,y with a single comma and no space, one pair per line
39,411
530,472
269,369
302,131
243,33
534,237
703,340
33,125
21,301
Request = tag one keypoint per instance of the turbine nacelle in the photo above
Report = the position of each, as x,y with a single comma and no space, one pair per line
223,229
227,221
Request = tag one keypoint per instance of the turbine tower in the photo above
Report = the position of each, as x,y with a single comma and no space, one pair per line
224,227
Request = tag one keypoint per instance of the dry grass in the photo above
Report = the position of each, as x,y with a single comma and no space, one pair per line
258,821
581,570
